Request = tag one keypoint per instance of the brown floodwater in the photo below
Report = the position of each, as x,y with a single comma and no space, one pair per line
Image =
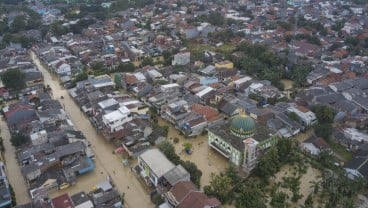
206,159
12,168
288,84
306,181
107,164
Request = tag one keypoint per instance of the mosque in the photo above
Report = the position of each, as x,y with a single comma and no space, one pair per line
241,140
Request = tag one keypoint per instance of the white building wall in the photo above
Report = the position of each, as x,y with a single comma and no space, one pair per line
235,155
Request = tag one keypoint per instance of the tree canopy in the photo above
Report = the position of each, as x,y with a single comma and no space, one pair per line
220,186
14,79
18,139
323,113
125,67
268,164
261,63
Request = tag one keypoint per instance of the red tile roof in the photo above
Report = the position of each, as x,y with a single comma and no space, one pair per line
181,190
198,200
302,108
209,113
17,107
130,79
63,201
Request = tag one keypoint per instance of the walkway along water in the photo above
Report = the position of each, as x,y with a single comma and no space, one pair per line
107,164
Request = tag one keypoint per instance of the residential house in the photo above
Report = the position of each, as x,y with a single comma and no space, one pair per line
314,145
284,126
18,115
306,117
175,111
208,80
184,194
63,201
62,68
357,168
39,138
193,124
81,200
224,65
181,58
153,165
33,78
211,115
5,200
115,120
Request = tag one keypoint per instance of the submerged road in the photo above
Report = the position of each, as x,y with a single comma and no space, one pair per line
12,168
107,164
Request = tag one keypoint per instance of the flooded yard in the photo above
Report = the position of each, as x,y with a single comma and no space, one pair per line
207,160
107,164
288,84
306,187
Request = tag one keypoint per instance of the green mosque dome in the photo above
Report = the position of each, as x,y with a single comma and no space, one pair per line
242,126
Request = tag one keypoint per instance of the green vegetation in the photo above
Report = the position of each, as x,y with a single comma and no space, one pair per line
2,147
98,68
187,146
147,61
169,151
117,81
125,67
13,79
26,42
352,41
18,139
229,187
12,195
309,38
195,173
293,116
157,199
220,186
278,200
214,17
268,164
340,150
323,113
323,130
325,116
261,63
58,29
299,73
338,25
311,25
332,188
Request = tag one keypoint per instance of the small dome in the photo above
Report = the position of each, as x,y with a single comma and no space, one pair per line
242,126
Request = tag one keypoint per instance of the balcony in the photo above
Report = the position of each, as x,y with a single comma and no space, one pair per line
219,149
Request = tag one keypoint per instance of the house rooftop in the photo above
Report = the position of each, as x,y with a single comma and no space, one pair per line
157,161
63,201
176,174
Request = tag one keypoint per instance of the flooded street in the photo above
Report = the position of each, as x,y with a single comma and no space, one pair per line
12,168
207,160
106,162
